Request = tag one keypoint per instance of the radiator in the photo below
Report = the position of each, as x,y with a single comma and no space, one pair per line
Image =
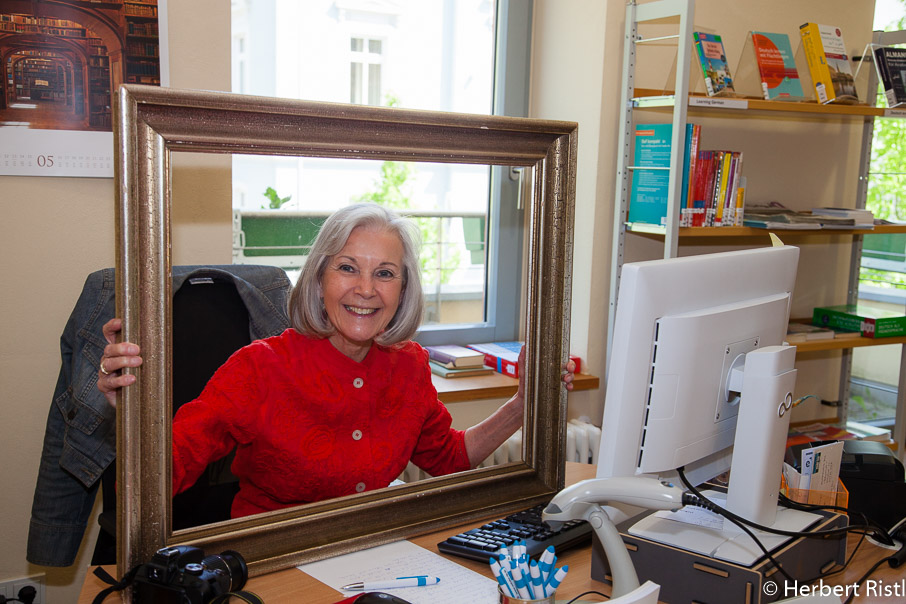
582,442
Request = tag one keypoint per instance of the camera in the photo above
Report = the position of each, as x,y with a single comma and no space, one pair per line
184,575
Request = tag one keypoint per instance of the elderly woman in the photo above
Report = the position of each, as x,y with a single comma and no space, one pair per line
343,401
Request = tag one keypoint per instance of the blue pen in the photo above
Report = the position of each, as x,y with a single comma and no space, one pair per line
415,581
498,574
546,562
505,570
555,581
537,583
521,585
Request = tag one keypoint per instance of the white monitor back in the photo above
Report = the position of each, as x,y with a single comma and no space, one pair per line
746,294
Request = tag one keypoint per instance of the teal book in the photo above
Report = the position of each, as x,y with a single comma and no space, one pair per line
776,66
648,192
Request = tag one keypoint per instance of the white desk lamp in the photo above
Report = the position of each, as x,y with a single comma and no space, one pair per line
583,500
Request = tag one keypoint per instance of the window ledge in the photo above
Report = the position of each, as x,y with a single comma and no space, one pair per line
494,385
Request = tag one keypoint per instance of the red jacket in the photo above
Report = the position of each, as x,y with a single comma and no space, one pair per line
309,423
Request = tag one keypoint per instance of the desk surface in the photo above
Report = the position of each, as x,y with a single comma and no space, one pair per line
285,586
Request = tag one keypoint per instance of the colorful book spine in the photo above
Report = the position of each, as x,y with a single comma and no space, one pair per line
503,357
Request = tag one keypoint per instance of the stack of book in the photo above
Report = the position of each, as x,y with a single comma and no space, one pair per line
862,219
805,332
451,361
776,216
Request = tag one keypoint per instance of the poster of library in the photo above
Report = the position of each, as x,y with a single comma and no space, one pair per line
60,61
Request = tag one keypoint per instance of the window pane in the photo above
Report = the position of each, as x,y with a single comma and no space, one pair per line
409,53
355,83
374,84
279,228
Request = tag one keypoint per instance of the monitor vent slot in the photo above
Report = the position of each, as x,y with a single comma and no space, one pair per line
649,393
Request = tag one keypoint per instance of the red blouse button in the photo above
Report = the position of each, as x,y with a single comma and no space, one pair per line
358,382
357,435
360,487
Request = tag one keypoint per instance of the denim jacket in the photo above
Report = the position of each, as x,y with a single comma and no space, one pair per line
80,440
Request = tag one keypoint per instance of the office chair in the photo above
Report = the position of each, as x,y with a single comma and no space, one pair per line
210,323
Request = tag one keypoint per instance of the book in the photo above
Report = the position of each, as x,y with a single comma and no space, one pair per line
502,357
805,332
713,61
828,63
649,189
872,322
843,334
776,66
714,186
867,431
890,64
861,219
774,215
819,431
449,372
454,357
689,161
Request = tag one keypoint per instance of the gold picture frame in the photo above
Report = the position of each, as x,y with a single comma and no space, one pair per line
152,122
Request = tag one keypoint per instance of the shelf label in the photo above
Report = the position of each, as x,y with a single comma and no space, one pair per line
700,101
895,113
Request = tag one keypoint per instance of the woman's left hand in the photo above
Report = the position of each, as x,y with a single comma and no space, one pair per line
568,373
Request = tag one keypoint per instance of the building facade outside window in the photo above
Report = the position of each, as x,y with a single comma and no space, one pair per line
442,55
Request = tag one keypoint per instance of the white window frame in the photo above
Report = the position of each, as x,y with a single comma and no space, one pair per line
365,59
503,290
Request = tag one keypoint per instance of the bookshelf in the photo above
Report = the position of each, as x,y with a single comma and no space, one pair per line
142,54
680,104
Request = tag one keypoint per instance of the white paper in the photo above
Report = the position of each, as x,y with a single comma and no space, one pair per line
821,467
696,516
402,558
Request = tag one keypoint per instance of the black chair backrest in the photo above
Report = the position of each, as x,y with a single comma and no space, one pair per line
210,323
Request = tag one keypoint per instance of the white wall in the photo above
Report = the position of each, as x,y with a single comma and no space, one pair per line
56,231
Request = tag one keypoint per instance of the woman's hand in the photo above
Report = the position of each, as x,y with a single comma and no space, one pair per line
117,355
568,373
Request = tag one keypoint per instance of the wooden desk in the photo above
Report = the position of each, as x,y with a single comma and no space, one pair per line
285,587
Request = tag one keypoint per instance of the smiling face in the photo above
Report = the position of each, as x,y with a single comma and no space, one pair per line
361,288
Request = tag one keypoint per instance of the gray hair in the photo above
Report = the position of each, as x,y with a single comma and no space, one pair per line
306,309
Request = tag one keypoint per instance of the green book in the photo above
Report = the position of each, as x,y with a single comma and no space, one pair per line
871,322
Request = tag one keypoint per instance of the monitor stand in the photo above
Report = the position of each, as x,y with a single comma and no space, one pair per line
765,381
722,541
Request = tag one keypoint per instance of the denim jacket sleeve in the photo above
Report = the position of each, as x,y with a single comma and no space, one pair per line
79,439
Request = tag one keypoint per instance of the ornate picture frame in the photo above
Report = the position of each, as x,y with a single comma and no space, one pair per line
150,124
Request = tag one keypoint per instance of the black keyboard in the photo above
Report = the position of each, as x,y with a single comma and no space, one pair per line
482,542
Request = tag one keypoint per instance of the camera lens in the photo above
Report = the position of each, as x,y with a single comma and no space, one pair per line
231,564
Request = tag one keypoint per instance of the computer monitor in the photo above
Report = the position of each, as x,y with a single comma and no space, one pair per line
684,331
